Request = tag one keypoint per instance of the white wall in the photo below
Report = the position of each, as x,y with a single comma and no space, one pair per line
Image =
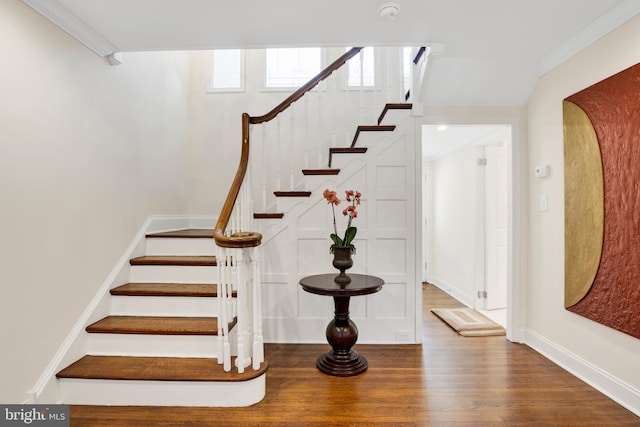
606,356
87,152
452,222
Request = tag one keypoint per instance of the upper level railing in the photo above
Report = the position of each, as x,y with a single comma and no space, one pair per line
242,239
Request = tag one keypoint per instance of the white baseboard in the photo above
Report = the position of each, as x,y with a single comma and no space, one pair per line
74,346
464,297
613,387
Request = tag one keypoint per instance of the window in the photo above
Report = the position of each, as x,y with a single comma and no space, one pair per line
291,67
228,70
367,60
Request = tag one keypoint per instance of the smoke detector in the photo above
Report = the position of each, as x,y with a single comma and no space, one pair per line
389,11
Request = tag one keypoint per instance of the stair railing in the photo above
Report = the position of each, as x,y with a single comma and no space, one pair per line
419,74
238,248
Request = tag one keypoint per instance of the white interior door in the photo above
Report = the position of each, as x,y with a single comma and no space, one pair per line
496,226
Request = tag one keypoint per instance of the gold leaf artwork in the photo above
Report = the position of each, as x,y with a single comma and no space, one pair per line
584,203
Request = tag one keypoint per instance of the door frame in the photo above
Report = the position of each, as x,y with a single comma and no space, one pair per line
516,196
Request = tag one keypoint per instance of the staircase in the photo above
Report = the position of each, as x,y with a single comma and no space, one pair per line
185,328
159,346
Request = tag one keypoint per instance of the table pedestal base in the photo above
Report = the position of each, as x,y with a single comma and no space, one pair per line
342,333
342,365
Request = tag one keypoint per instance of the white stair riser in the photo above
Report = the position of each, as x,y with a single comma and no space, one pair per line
319,182
152,345
178,246
342,160
285,204
162,393
394,116
173,274
163,306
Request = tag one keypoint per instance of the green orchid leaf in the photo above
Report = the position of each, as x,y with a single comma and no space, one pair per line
336,240
349,235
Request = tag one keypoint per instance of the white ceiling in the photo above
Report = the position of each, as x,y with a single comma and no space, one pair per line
493,52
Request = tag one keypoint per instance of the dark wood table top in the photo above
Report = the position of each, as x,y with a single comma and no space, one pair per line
323,284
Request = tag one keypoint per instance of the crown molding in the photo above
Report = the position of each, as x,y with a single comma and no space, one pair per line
606,23
56,13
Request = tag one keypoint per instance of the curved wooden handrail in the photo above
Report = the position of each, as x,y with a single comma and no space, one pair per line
242,239
247,239
307,87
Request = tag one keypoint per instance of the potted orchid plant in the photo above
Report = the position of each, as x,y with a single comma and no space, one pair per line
353,198
342,247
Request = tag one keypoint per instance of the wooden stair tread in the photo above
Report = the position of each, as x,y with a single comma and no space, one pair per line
348,150
174,260
268,215
376,128
155,369
155,325
166,289
345,150
192,233
320,171
292,193
371,128
393,106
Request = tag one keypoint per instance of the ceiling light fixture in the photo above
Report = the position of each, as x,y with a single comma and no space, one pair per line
389,11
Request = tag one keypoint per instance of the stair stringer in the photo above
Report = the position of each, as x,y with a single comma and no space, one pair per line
298,245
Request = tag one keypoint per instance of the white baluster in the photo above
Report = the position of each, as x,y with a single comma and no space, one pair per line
232,285
265,164
292,148
246,219
234,221
399,64
374,103
334,94
219,302
387,77
258,340
240,288
361,89
278,150
306,132
347,123
319,134
224,315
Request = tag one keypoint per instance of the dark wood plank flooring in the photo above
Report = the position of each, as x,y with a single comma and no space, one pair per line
449,380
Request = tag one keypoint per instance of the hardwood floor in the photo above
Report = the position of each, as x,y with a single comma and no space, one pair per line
449,380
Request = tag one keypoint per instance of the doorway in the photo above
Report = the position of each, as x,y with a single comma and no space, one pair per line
465,214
